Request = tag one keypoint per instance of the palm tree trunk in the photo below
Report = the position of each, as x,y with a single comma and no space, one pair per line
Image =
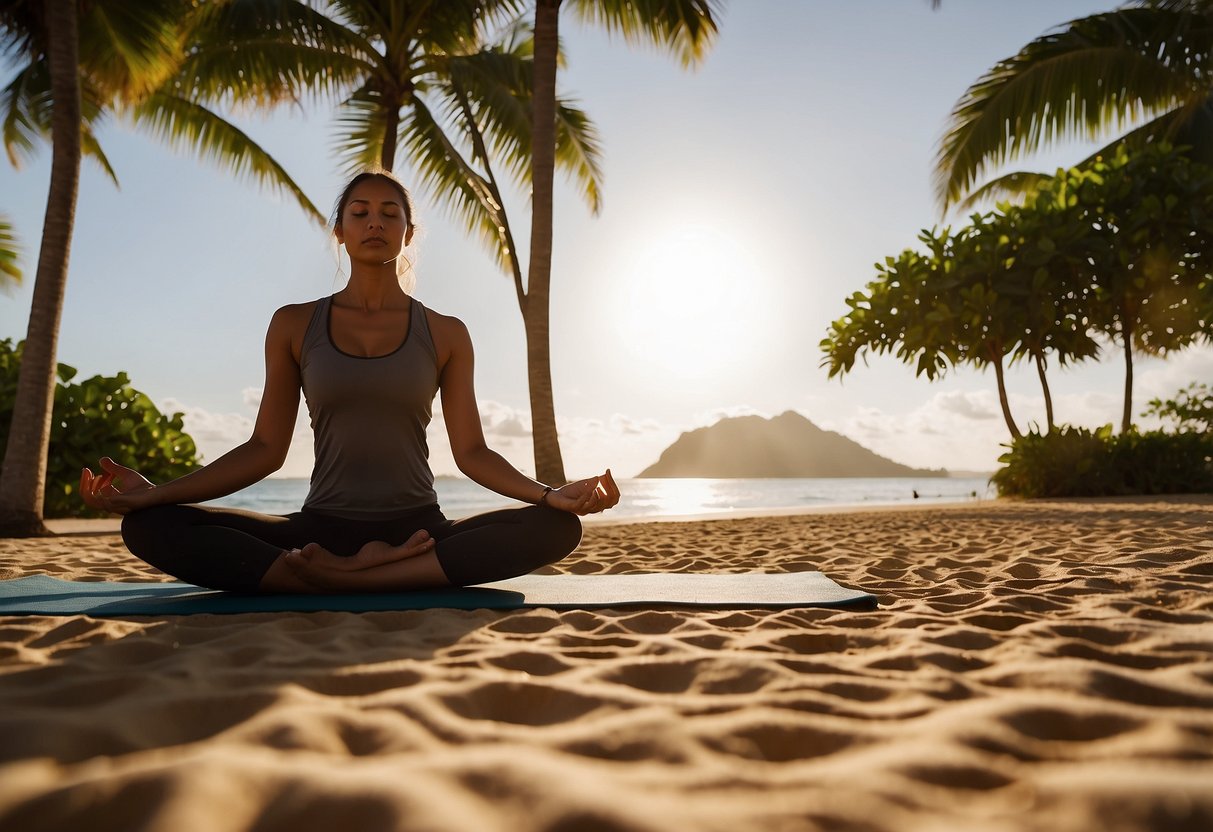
391,126
1126,332
1044,385
23,480
996,360
549,467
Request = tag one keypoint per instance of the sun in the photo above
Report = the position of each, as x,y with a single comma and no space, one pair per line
691,302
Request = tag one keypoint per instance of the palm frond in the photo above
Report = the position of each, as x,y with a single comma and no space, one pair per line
448,176
268,72
1098,74
22,32
269,51
129,49
361,124
25,116
499,88
451,26
1190,126
686,28
366,17
1019,187
1197,6
25,106
92,148
10,267
579,151
185,123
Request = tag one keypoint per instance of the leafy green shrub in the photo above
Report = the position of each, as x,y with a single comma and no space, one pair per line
100,416
1191,409
1076,462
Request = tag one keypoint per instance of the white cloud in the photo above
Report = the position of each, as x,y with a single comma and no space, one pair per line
252,396
214,433
969,404
956,429
588,445
965,429
627,426
1163,379
502,421
217,433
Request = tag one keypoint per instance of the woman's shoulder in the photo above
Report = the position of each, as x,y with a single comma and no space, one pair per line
294,315
289,326
444,324
449,335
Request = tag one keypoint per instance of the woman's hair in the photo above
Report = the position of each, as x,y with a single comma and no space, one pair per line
403,263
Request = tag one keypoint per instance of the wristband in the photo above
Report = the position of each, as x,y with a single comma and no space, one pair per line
543,498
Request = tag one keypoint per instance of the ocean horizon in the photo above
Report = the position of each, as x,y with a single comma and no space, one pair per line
657,498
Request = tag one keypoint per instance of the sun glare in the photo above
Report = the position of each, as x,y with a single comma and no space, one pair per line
692,302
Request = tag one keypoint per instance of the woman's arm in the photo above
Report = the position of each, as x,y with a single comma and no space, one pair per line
121,489
472,454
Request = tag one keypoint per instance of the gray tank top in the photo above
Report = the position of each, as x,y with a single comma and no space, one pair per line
369,417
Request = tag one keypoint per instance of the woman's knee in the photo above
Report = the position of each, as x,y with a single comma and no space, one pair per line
145,529
561,533
148,535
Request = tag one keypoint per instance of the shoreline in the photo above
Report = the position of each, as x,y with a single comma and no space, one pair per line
71,526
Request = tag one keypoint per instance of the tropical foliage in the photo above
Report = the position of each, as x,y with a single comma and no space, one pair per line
1117,248
131,54
1190,410
1138,74
100,415
415,80
10,269
1077,462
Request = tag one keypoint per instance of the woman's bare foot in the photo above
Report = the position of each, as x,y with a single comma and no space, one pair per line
377,552
377,566
323,570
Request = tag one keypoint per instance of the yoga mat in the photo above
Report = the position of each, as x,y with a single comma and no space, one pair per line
44,595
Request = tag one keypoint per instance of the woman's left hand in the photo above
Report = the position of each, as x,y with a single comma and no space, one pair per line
588,496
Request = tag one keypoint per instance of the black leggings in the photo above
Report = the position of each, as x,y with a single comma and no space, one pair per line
225,548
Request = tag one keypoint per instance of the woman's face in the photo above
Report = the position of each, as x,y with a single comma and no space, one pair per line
373,226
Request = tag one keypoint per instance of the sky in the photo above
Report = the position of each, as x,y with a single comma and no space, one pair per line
743,201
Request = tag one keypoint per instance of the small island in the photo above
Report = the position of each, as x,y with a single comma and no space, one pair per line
788,445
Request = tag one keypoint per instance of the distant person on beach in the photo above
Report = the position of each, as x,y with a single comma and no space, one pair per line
369,361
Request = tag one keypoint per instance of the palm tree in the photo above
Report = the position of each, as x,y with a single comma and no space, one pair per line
129,51
10,270
1144,66
419,76
79,69
685,27
21,496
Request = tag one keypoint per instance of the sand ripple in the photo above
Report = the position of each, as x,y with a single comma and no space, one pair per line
1032,667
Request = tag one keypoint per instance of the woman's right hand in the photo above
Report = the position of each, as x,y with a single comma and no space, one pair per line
117,488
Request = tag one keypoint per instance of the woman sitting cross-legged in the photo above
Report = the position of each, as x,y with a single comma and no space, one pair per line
369,361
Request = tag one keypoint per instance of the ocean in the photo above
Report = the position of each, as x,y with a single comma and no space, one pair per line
651,499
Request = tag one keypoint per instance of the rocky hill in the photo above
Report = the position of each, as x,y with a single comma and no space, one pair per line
788,445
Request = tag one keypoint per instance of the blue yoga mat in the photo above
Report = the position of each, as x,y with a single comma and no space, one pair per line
44,595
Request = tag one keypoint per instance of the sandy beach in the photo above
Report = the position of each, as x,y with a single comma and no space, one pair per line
1042,666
